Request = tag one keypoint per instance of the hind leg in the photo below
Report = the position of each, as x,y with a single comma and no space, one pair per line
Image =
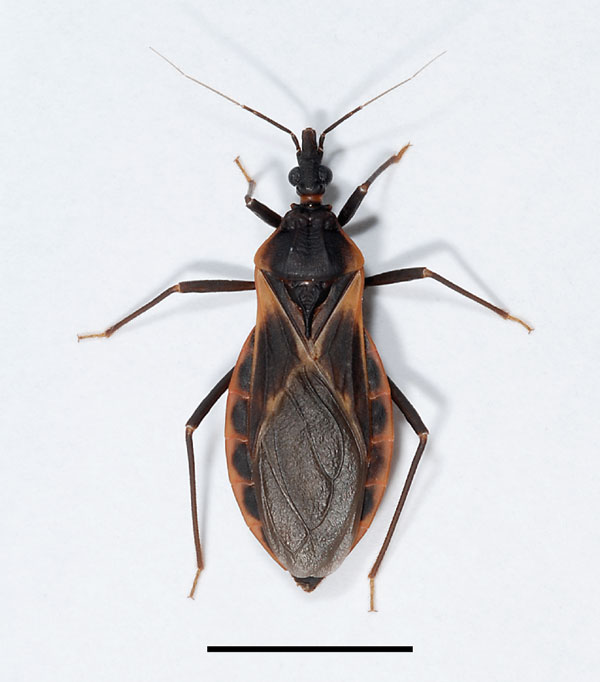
193,422
417,425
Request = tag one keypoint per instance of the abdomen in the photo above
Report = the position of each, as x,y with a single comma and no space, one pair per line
306,482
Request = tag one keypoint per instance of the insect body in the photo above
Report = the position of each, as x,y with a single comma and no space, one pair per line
309,429
299,432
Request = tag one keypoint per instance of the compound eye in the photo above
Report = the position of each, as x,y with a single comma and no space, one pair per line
325,175
294,176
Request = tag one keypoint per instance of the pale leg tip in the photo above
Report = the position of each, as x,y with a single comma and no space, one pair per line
99,335
521,322
193,590
372,608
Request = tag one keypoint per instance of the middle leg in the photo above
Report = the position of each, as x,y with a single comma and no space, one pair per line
199,286
410,274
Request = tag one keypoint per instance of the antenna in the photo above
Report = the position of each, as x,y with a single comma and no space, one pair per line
362,106
230,99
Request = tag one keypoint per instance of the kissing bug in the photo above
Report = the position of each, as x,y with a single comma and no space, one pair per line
309,429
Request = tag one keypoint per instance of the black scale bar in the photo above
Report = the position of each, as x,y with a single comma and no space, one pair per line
309,649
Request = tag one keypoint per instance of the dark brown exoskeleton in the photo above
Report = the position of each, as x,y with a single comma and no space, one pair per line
309,429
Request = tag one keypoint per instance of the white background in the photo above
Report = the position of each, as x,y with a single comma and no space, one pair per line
117,181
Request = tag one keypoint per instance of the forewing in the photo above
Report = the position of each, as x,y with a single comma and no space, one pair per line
308,445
